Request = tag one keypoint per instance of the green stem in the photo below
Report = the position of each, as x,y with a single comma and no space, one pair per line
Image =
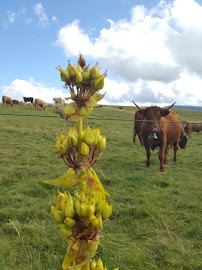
79,130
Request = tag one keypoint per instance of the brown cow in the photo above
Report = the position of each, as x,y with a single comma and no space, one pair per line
138,124
155,133
39,103
7,100
16,102
61,112
189,127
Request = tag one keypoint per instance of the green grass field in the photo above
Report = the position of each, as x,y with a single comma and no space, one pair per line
156,220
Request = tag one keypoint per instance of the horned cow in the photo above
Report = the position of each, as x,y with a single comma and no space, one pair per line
158,131
7,100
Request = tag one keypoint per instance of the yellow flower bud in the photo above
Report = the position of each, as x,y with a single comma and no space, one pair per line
102,144
84,149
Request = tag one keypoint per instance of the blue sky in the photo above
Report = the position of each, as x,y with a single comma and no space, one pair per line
151,49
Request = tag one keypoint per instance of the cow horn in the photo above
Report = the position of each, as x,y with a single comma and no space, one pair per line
171,106
136,105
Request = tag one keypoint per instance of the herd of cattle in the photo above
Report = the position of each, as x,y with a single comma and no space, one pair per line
37,102
30,100
161,127
154,126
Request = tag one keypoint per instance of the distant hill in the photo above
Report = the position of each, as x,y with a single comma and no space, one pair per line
191,108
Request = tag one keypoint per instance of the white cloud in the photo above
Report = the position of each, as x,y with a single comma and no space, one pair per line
11,16
157,50
39,11
54,19
77,39
22,88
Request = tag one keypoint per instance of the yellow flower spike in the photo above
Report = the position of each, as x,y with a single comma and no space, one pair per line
69,222
64,74
65,230
84,149
102,144
99,265
93,265
70,108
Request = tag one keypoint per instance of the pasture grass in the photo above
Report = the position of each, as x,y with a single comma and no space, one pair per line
156,220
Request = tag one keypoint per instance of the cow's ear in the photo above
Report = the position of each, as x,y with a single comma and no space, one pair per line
164,112
143,112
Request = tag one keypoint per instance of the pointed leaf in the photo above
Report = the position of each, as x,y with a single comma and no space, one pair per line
65,180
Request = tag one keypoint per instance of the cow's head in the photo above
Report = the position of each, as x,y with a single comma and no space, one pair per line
153,116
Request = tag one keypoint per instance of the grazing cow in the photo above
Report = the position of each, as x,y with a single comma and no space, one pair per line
61,112
16,102
39,103
28,99
189,127
7,100
59,100
154,133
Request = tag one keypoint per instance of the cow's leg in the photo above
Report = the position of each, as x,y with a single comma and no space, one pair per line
148,152
176,146
161,156
166,155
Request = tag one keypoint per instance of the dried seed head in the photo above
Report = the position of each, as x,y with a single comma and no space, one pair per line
81,61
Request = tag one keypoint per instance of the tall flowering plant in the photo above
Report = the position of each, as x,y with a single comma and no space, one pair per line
81,216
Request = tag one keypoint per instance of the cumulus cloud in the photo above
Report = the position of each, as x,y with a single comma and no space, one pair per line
156,49
22,88
39,11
